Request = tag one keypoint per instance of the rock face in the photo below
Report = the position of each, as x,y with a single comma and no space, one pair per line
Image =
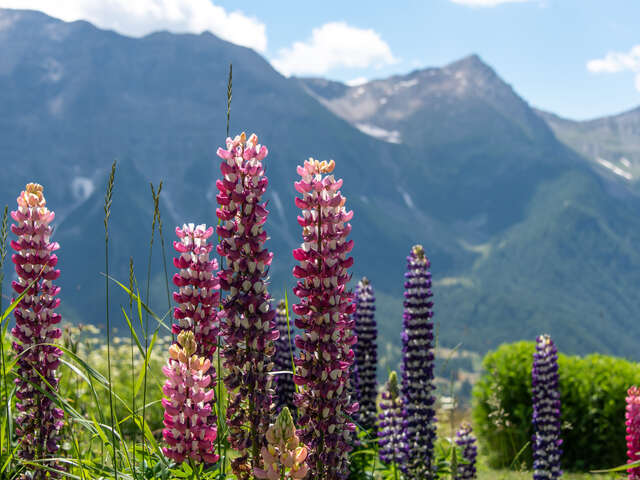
523,235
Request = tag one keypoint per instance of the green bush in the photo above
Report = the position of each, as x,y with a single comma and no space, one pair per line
592,391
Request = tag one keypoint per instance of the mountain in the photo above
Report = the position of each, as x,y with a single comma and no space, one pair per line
470,129
523,235
553,240
74,98
610,144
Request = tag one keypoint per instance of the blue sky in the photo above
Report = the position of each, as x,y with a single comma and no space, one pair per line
577,58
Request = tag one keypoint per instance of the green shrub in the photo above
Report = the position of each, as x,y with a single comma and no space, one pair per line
592,391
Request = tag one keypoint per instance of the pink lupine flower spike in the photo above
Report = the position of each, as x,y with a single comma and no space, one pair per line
38,421
324,314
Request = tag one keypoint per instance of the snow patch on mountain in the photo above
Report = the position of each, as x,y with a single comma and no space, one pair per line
407,198
53,70
615,169
408,83
82,188
391,136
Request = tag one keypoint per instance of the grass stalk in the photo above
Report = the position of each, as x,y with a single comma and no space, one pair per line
223,456
107,213
164,255
229,95
133,370
156,199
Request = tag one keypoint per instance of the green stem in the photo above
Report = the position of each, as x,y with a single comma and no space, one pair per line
146,316
3,253
223,457
133,380
320,449
219,409
107,210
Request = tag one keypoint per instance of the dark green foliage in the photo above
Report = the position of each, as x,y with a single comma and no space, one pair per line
592,391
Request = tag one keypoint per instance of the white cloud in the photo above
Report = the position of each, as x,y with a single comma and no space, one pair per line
614,62
486,3
334,45
139,17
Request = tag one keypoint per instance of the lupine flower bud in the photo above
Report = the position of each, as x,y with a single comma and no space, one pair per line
38,421
417,367
467,443
188,406
285,388
324,314
366,354
546,411
632,421
390,423
247,319
283,456
198,293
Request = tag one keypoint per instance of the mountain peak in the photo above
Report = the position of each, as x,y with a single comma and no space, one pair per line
389,109
473,66
470,61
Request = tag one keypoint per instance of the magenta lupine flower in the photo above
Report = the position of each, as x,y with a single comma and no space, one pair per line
546,411
285,388
466,441
390,424
632,421
366,351
417,367
284,457
198,296
188,404
324,313
247,319
38,421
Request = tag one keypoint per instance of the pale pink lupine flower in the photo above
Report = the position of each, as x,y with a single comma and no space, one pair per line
188,404
284,456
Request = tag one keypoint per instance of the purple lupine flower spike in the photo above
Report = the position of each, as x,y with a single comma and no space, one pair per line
632,421
198,294
546,410
366,351
39,421
190,396
247,320
285,388
390,424
466,441
324,314
417,368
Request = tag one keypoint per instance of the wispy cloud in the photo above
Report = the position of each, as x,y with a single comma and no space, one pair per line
614,62
334,45
139,17
486,3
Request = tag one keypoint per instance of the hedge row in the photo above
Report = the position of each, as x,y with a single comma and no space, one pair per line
592,391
